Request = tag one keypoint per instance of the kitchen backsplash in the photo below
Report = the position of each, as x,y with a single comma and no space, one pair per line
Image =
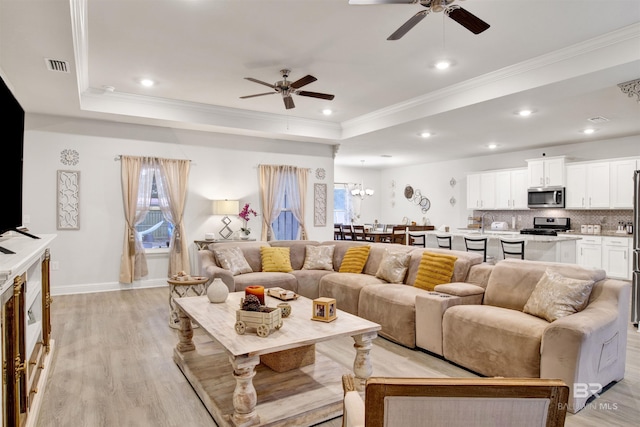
608,219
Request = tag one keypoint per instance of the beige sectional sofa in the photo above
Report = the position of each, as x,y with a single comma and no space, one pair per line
476,321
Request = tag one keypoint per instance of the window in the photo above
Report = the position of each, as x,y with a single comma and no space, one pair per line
154,230
341,204
286,226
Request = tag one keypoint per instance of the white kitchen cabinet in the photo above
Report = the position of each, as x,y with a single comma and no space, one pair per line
481,190
589,252
616,257
547,172
621,183
587,186
511,189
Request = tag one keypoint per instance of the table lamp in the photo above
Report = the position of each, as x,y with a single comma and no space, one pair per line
226,208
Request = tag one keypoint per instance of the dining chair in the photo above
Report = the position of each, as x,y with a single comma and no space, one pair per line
347,232
337,232
417,240
512,248
359,233
399,234
444,242
477,244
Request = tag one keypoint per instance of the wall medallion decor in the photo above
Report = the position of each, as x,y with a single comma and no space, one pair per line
69,157
321,173
68,200
319,205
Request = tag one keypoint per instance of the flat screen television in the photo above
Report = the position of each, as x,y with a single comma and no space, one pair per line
12,148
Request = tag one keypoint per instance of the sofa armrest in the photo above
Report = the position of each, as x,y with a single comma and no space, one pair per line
589,347
353,412
430,309
459,289
208,268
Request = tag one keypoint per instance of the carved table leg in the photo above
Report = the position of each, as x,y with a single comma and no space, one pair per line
186,333
362,367
244,395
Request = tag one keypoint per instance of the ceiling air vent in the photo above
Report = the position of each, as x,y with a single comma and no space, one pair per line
598,119
57,65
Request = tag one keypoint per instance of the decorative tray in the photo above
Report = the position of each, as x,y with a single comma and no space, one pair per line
282,294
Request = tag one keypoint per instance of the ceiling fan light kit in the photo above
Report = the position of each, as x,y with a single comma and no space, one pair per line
287,88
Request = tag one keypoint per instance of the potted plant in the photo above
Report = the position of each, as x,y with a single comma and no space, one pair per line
245,214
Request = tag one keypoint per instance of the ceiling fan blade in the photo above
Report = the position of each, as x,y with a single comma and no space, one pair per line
260,82
367,2
404,29
316,95
467,19
257,94
288,102
303,81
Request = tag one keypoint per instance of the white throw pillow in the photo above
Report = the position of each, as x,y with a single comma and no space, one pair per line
232,259
318,257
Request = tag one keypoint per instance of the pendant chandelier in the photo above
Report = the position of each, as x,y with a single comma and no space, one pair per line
360,190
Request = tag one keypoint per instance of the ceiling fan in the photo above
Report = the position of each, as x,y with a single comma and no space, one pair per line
287,88
453,11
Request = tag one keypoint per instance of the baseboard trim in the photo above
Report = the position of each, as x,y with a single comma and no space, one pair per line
106,287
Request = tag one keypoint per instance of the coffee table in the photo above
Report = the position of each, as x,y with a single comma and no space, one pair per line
226,373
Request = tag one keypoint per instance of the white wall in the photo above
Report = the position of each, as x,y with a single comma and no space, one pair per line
223,166
369,207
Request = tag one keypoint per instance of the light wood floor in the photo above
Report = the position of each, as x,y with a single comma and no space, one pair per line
113,367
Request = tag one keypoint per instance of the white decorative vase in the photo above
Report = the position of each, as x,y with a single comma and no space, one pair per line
217,291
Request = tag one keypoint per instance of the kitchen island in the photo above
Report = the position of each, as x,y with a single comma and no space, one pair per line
560,248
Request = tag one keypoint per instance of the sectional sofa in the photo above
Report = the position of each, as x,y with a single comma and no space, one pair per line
478,320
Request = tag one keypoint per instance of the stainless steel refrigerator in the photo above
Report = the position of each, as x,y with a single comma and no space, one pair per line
635,290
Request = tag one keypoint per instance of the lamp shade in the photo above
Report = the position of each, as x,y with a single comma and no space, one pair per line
226,207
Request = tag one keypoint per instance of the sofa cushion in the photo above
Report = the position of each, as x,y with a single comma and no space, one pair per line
275,259
232,259
319,257
355,259
493,341
393,266
345,288
434,269
309,280
512,280
557,296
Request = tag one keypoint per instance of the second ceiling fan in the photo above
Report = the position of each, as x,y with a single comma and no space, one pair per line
453,11
287,88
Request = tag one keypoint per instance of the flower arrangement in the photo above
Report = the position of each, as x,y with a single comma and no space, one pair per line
245,214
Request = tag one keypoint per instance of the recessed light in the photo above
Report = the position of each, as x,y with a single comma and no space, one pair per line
327,112
425,134
443,65
492,146
588,131
525,113
147,82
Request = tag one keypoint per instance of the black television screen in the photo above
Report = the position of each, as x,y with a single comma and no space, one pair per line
12,143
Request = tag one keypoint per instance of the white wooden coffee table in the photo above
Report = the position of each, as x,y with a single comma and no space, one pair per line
226,373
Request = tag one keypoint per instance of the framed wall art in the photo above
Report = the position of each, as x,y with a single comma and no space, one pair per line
68,200
319,205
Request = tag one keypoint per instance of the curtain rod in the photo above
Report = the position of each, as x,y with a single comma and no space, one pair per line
119,157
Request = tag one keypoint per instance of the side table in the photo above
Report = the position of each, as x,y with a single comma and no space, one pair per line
184,288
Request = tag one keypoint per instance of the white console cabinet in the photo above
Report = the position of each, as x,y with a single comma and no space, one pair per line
26,326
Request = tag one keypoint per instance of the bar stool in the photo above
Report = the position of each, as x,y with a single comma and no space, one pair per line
512,248
478,244
417,240
444,242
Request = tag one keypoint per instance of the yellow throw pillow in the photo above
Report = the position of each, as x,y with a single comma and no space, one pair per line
434,269
275,259
354,259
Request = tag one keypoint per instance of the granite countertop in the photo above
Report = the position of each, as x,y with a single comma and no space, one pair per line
603,234
512,234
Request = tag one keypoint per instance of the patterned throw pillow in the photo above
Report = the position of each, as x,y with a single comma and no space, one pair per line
232,259
434,269
354,259
275,259
318,257
393,266
556,296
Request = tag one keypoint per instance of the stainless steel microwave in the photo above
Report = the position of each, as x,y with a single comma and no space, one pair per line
545,197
